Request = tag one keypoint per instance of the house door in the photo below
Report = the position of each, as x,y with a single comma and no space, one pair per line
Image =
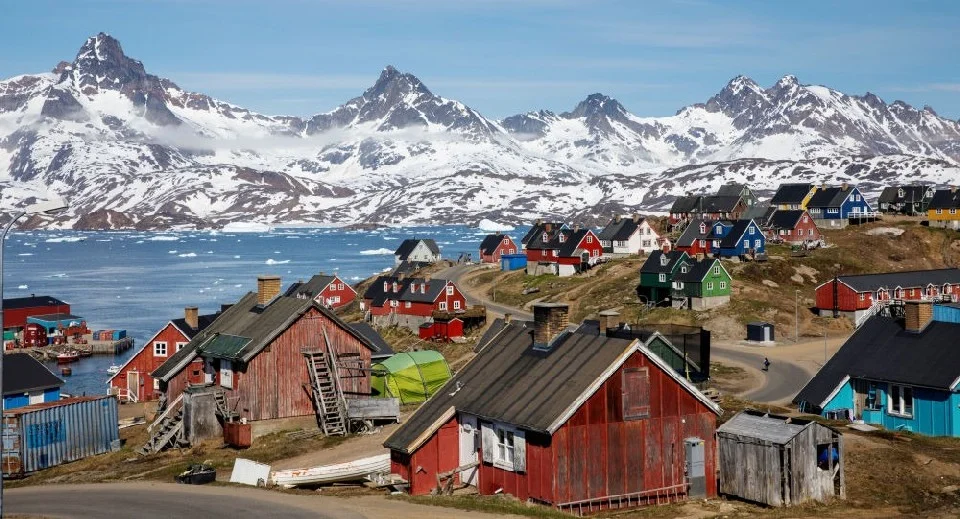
766,334
226,374
133,384
469,429
209,371
695,467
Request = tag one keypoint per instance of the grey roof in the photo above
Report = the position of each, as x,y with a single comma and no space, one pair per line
508,381
494,329
30,302
248,320
685,204
405,248
791,193
775,429
654,265
536,240
696,270
491,242
373,336
23,373
829,197
538,229
882,350
731,189
571,241
911,193
945,199
692,232
905,279
785,219
310,288
759,213
720,204
739,228
620,229
408,289
202,322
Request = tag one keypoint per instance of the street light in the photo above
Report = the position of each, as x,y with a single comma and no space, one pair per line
52,206
796,316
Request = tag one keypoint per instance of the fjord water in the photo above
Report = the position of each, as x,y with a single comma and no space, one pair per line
138,281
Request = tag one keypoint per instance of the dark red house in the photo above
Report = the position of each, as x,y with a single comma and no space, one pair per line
695,238
563,252
575,421
854,296
441,329
17,309
495,245
329,291
254,352
792,226
134,383
410,301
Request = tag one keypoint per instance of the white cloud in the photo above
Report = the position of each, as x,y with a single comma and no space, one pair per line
929,87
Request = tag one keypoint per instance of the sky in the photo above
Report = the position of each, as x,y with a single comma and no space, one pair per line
503,57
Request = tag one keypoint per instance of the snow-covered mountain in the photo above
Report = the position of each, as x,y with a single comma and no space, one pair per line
130,149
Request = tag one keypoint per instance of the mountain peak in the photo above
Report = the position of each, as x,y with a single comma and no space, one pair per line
788,81
740,84
597,105
392,80
101,64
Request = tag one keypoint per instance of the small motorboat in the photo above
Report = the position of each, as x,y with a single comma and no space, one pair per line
67,357
66,371
113,370
197,474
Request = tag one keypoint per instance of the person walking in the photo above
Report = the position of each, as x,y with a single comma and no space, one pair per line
766,364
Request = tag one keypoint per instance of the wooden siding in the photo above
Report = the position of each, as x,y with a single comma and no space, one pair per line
17,317
346,295
504,247
441,453
144,362
848,300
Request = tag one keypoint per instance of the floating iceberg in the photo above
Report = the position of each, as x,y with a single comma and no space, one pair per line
163,237
491,226
272,261
188,255
67,239
246,227
376,252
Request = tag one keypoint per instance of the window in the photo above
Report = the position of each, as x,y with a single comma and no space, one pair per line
703,243
750,230
562,237
180,345
703,229
709,285
159,349
456,304
746,243
716,270
506,240
723,285
589,238
953,211
504,452
449,290
545,237
339,286
809,232
663,278
900,401
900,193
804,218
664,260
393,303
863,297
939,211
678,285
156,384
554,253
443,305
719,230
407,304
756,244
636,393
683,269
716,243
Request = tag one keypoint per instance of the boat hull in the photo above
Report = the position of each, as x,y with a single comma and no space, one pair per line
351,471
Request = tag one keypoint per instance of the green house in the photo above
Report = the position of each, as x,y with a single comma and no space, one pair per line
656,275
699,285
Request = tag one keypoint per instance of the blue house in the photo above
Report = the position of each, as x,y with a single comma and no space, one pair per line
733,239
26,381
834,207
899,373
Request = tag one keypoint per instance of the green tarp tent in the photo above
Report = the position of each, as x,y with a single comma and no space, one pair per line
411,376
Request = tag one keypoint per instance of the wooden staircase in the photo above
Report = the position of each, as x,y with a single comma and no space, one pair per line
223,409
166,430
328,397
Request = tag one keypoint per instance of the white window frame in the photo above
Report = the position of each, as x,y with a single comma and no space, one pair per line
899,407
709,285
449,290
703,243
663,278
407,304
750,230
589,238
746,243
160,348
504,448
456,304
723,285
180,345
939,211
716,270
226,374
443,305
756,244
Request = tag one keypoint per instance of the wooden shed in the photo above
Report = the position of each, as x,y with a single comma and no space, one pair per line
780,461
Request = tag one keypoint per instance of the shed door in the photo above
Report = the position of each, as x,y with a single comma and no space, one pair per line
209,371
133,384
766,334
226,374
469,431
695,466
36,397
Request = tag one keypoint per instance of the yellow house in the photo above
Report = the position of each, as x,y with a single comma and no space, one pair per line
944,209
793,196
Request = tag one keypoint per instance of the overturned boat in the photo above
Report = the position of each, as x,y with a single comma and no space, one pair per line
356,470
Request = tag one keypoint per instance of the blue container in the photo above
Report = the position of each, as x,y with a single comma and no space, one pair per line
119,334
513,262
40,436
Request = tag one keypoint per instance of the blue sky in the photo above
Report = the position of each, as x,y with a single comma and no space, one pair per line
503,57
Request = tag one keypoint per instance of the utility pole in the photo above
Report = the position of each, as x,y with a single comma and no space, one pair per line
796,316
824,342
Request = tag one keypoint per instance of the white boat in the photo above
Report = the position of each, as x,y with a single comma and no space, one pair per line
356,470
113,370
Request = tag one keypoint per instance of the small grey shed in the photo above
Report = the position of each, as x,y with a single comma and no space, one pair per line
780,461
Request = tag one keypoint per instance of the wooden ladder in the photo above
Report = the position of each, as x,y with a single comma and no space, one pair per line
228,415
327,395
166,431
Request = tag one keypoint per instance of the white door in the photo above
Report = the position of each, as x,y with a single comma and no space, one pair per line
209,371
133,384
35,397
469,432
226,374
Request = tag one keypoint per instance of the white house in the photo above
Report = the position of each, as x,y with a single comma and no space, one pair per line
632,235
417,251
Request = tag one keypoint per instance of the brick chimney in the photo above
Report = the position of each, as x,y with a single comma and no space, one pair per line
547,227
268,287
917,315
549,321
617,218
636,218
191,315
844,186
608,320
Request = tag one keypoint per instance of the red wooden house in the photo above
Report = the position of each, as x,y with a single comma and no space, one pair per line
495,245
563,252
254,352
410,302
133,383
441,329
329,291
794,227
17,309
575,421
854,296
695,238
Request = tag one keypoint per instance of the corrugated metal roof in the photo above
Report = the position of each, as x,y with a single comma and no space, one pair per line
905,279
762,427
30,302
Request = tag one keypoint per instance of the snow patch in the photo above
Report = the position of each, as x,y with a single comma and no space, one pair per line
246,227
491,226
272,261
376,252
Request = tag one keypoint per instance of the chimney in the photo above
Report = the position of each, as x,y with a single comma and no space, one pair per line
608,321
844,186
539,221
268,287
576,228
700,256
549,321
547,227
917,315
192,316
507,318
401,276
616,219
636,218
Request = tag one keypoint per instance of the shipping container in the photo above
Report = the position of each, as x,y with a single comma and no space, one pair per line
45,435
119,334
513,261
